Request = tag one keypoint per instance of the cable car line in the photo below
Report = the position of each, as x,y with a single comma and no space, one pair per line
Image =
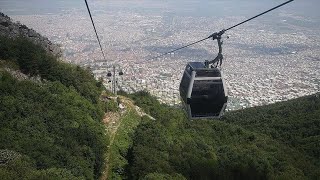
202,88
219,34
179,48
95,30
260,14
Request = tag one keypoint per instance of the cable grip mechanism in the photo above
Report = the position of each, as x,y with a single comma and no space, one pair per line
218,59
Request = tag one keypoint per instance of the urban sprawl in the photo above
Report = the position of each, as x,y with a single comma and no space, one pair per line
263,63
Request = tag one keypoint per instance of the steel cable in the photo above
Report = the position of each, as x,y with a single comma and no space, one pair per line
221,32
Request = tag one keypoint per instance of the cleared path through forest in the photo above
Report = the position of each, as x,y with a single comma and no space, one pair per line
112,121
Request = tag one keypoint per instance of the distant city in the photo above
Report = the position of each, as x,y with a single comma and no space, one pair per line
271,59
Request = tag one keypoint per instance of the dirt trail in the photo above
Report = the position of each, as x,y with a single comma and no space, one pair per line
128,103
112,121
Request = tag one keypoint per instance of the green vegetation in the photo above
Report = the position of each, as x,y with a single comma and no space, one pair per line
121,144
32,59
295,123
278,141
22,167
53,126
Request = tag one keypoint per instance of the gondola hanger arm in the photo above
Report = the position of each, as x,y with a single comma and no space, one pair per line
220,33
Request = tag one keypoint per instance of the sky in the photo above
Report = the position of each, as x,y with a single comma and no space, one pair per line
180,7
304,13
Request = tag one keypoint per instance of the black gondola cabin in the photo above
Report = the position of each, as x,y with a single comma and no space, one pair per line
203,91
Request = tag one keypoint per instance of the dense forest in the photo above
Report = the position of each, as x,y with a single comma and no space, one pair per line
278,141
50,122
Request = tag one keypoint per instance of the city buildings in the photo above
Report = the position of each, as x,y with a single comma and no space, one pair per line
264,63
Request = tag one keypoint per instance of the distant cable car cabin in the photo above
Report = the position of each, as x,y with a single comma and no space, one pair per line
203,91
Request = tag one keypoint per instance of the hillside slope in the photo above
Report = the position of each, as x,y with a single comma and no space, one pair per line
11,29
50,116
278,141
295,123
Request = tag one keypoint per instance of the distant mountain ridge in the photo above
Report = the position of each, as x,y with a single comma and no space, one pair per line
12,30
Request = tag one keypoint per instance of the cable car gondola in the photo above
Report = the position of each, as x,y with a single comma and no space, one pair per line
203,91
202,88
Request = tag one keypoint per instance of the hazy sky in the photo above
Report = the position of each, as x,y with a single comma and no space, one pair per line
180,7
304,13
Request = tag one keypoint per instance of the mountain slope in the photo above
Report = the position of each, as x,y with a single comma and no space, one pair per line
50,116
239,146
10,29
295,123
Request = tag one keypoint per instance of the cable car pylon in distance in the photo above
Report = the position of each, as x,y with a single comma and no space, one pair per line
202,88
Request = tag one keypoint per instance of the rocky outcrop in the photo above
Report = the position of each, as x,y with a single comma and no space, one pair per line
17,74
7,155
13,30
